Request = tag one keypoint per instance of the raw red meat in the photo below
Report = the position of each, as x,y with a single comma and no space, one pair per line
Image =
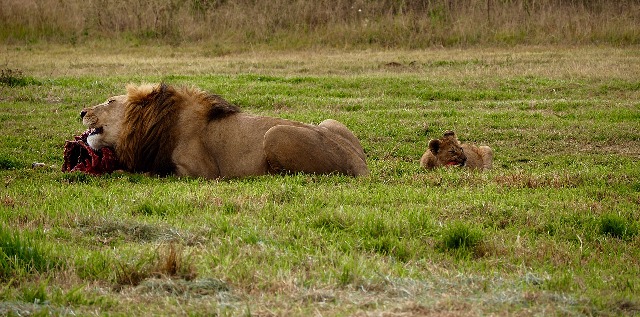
79,156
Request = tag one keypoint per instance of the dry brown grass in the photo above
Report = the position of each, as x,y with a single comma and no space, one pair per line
168,262
350,23
108,59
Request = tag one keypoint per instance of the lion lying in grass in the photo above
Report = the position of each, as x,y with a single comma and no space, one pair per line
447,151
163,130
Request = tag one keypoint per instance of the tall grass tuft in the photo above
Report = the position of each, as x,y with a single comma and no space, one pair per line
461,239
617,226
8,163
20,256
15,78
168,262
35,293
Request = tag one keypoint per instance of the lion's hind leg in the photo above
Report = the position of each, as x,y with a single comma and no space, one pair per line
342,130
311,149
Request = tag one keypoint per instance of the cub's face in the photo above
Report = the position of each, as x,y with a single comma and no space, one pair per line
104,122
447,150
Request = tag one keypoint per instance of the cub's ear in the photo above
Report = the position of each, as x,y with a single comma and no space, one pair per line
451,136
434,146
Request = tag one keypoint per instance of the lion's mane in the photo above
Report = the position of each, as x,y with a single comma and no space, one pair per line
150,129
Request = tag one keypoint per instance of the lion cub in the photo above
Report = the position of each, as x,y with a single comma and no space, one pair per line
447,151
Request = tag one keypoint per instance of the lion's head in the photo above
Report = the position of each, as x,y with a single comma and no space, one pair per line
447,150
104,122
141,126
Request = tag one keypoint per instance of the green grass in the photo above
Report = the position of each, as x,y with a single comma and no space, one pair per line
551,230
21,256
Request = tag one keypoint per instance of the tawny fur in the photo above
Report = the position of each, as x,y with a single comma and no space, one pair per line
185,131
448,151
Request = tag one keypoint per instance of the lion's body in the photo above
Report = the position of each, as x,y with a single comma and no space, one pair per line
188,132
478,157
448,151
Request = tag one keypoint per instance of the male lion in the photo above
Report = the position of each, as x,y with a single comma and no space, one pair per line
160,129
447,151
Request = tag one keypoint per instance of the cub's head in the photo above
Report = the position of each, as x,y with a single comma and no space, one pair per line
105,122
447,150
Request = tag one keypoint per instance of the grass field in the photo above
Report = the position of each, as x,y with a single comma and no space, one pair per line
551,230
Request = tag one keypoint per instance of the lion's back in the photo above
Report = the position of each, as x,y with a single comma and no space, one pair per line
478,157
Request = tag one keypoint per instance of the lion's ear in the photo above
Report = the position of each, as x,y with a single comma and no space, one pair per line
452,136
434,146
